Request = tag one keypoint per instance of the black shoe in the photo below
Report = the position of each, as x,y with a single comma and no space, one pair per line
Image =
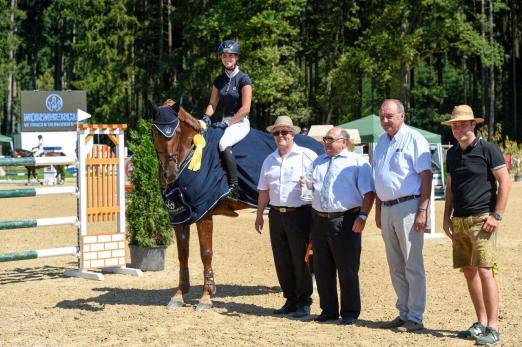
348,321
286,308
323,317
302,311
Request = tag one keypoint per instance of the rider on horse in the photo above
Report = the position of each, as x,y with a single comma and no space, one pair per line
38,149
234,89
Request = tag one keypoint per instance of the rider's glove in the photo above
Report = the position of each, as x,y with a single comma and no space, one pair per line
220,125
206,119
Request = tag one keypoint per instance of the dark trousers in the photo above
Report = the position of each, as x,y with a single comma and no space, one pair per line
337,250
289,235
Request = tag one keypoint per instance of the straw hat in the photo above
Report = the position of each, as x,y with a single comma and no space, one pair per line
462,113
283,122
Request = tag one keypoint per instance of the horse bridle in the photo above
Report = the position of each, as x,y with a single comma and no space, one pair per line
172,156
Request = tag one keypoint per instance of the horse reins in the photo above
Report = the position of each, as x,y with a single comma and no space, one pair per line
173,156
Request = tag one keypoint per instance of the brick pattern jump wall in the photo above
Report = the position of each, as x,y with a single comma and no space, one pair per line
103,250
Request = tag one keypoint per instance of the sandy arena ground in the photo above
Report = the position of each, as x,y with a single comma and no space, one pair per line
39,306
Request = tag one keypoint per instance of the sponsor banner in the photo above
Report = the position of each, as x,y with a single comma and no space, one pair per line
51,110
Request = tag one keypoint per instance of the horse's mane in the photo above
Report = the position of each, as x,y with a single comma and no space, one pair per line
184,116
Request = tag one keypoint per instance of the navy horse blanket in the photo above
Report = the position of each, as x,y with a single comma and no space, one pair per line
194,193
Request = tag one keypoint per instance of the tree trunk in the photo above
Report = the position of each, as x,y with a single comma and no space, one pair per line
482,68
11,82
411,87
474,84
514,65
132,87
169,25
160,49
491,125
58,67
405,72
405,81
465,80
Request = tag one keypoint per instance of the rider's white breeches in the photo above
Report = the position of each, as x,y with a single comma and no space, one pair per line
234,133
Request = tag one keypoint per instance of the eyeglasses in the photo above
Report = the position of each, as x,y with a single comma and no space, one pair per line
328,139
390,116
281,132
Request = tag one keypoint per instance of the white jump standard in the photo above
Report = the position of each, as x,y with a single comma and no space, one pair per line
110,255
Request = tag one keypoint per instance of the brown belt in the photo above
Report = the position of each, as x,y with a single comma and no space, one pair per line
337,214
285,209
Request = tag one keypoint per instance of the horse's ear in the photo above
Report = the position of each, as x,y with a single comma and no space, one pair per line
152,110
175,107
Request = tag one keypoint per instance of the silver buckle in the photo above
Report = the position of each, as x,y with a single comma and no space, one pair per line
283,210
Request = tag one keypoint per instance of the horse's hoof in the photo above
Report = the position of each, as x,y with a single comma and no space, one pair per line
175,303
202,306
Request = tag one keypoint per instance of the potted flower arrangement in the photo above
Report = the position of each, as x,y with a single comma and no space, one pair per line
149,229
512,152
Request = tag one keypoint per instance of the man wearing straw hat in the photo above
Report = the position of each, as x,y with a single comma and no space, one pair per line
402,167
472,216
289,217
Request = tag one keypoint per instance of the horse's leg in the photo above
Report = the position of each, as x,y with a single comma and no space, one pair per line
205,227
35,175
60,175
31,171
182,241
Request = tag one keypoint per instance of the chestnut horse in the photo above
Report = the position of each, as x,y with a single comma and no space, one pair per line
171,153
31,169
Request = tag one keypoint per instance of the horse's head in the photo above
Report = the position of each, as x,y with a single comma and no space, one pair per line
172,132
21,153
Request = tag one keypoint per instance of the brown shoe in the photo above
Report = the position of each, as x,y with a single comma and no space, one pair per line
397,322
410,326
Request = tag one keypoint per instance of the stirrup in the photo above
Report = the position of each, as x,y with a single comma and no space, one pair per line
233,192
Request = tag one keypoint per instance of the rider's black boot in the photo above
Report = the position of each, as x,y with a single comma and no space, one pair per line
231,168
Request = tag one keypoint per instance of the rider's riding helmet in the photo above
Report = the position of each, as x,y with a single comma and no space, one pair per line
228,46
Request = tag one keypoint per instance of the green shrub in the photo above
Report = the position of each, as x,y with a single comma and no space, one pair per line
147,219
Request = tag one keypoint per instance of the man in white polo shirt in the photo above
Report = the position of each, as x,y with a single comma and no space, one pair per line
402,169
289,217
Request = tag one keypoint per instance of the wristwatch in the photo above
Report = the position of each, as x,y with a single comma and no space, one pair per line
363,215
497,216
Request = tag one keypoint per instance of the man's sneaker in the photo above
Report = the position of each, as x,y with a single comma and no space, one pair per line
490,337
474,331
410,326
397,322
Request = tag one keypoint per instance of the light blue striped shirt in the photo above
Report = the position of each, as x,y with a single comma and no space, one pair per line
352,178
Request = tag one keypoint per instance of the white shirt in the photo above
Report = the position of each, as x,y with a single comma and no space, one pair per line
352,178
398,162
281,176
